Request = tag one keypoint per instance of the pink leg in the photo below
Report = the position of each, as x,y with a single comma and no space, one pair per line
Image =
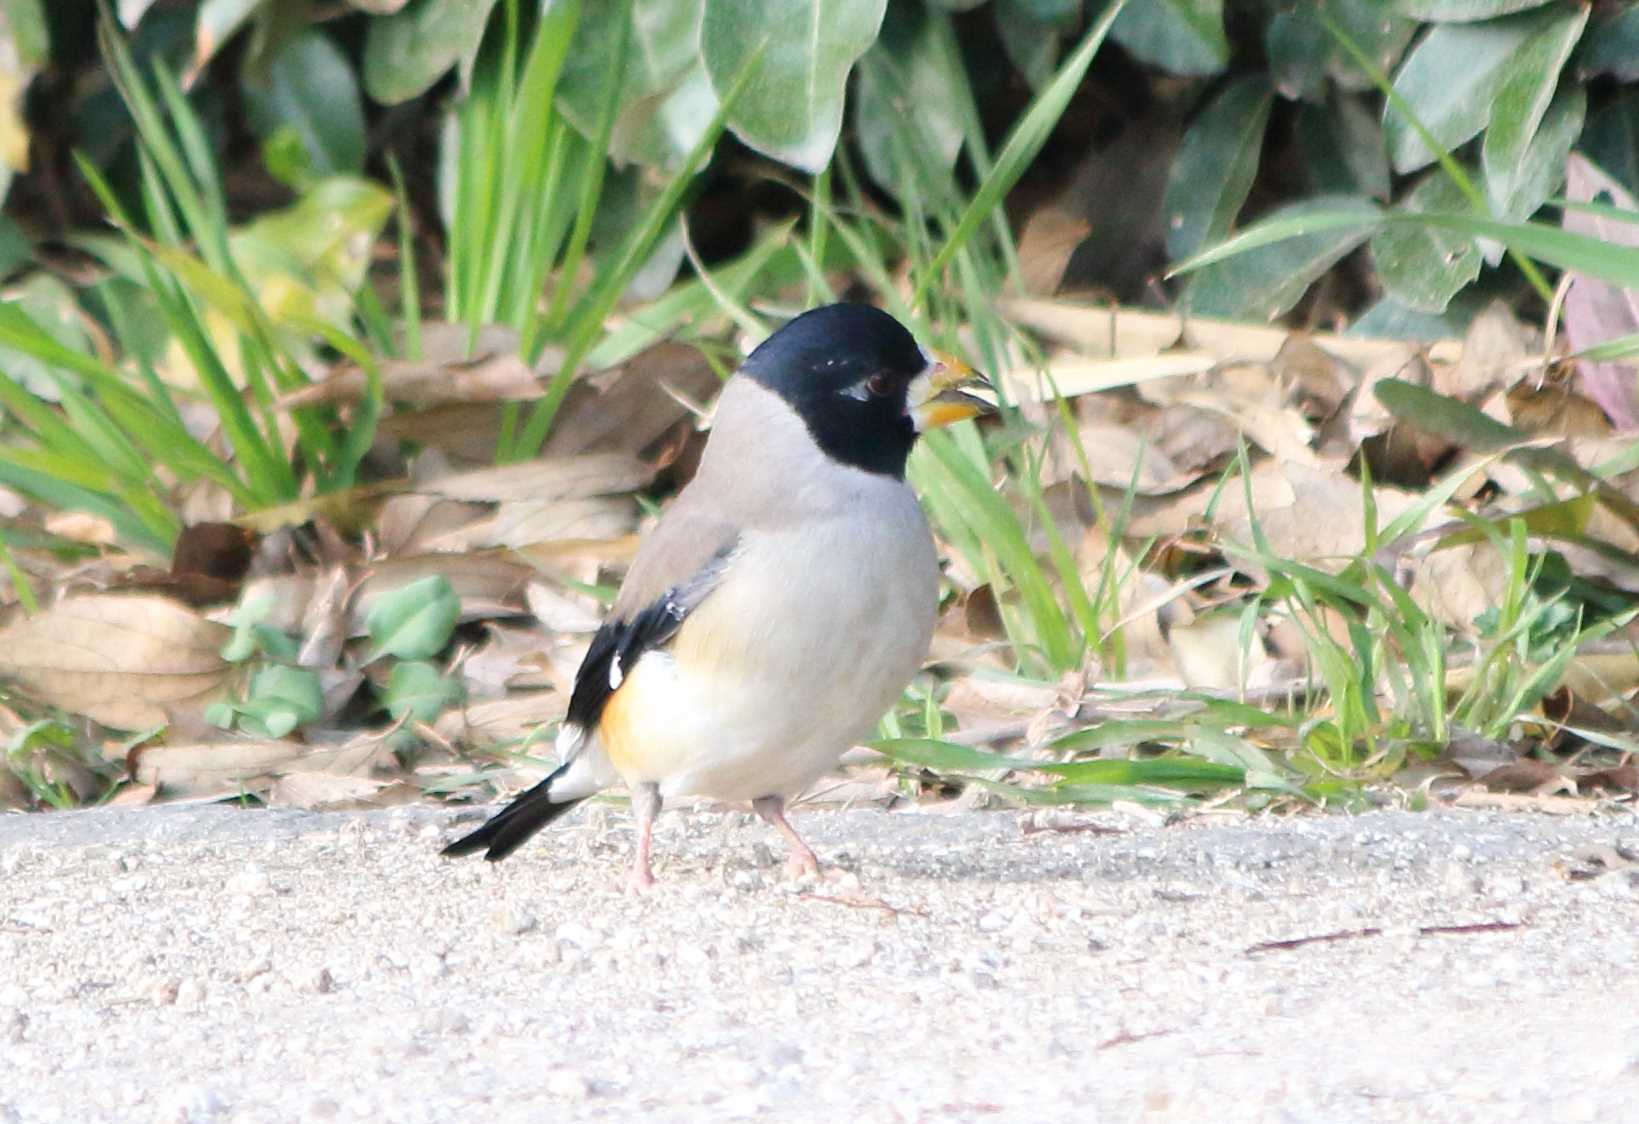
802,860
645,805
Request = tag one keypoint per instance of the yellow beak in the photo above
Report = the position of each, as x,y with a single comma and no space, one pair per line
934,397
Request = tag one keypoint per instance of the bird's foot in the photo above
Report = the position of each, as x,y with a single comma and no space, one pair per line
640,880
802,864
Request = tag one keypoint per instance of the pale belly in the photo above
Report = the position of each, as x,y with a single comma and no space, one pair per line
778,673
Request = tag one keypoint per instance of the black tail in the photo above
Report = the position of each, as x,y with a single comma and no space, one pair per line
506,830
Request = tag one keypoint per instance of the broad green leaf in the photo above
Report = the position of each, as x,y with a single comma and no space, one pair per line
1423,267
414,622
1612,45
1450,78
1272,264
1516,188
1304,60
1213,170
408,51
791,108
419,692
309,87
1611,139
280,699
1183,36
1460,11
306,260
665,99
1032,47
902,79
1562,249
1343,147
1520,104
665,42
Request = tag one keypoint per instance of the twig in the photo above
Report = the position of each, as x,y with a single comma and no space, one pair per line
1126,1038
1323,938
856,902
1375,931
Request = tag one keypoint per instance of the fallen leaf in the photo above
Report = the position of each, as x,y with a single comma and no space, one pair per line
544,480
212,768
126,660
1597,311
637,404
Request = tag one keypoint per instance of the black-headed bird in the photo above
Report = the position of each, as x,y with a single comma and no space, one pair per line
784,599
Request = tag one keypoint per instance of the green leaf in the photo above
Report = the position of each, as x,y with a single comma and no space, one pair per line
1264,271
418,692
1450,79
1343,147
1213,170
405,53
280,699
1520,106
902,78
1423,267
1305,62
1611,139
1516,190
309,87
1183,36
1459,11
664,102
792,107
414,622
1030,46
1612,47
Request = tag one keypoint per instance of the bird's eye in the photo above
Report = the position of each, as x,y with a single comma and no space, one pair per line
879,385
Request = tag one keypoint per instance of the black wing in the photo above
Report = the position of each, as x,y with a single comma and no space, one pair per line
620,642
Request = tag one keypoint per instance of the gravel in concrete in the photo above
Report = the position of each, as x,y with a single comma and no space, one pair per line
209,964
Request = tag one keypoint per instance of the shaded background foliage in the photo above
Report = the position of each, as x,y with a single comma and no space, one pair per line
215,324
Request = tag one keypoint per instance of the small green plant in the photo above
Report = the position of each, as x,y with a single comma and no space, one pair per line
407,626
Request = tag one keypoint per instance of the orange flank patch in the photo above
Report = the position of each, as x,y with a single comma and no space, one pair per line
617,725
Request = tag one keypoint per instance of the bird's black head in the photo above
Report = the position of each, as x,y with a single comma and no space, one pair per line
846,370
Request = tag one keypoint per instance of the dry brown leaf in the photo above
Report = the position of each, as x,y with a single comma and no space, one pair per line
501,720
1113,451
561,610
1497,352
519,523
212,768
1529,774
1596,311
77,526
125,660
1454,586
544,480
638,404
323,791
1049,238
465,432
418,524
1113,331
511,659
485,378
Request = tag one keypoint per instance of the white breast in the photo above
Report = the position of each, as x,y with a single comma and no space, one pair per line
820,623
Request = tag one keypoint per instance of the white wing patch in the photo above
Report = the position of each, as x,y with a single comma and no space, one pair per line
616,675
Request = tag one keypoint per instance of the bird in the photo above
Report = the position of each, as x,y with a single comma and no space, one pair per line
783,601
